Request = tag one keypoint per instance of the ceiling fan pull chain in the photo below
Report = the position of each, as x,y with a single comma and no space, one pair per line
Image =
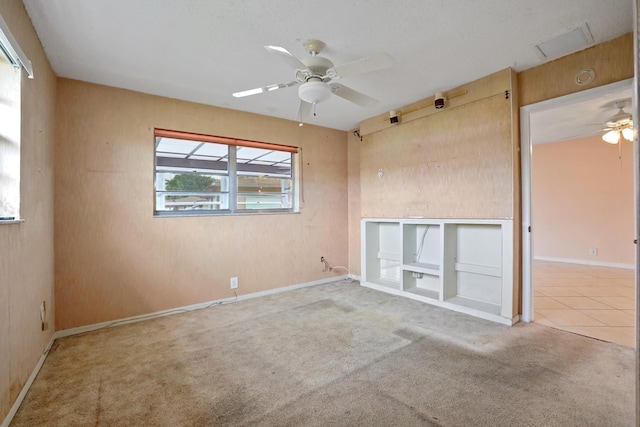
314,109
620,153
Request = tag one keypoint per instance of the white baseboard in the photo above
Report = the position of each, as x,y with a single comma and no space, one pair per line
27,385
585,262
140,318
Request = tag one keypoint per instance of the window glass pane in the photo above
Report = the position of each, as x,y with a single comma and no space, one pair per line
10,117
185,181
264,179
195,176
176,146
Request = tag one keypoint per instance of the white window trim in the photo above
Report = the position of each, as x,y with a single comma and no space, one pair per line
12,50
232,175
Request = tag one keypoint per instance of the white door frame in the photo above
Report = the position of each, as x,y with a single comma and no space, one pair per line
526,147
636,157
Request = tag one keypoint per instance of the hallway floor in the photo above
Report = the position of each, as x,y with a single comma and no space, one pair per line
588,300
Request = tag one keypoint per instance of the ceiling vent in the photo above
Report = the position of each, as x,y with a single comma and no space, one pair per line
574,40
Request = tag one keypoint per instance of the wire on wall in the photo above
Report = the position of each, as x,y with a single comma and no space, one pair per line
419,251
329,267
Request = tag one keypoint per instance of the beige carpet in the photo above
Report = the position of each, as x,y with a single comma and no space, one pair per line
331,355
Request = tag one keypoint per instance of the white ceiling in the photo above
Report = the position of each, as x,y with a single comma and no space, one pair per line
204,50
583,114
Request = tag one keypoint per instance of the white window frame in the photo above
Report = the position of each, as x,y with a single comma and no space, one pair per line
10,151
229,189
10,47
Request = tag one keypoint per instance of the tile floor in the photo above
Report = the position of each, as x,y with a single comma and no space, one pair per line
588,300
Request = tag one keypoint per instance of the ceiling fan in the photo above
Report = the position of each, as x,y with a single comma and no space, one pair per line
316,77
620,125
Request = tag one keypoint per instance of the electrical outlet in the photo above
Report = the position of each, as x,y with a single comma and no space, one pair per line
593,251
234,283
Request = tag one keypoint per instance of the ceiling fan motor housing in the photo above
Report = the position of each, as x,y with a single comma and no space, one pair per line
318,66
315,88
622,118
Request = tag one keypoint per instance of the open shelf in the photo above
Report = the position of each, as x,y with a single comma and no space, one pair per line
423,292
462,265
418,283
422,267
421,244
383,254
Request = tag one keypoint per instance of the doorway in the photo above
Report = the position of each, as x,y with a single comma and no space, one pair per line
565,277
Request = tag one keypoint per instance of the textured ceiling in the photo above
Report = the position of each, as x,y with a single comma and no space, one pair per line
204,50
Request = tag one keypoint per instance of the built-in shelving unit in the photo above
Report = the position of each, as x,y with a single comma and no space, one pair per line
462,265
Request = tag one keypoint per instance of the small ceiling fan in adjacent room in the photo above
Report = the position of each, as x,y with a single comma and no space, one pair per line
619,126
315,77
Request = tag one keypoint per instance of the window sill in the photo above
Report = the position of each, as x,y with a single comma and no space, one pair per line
168,214
11,221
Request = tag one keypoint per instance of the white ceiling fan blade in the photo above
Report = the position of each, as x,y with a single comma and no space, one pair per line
352,95
287,57
264,89
364,65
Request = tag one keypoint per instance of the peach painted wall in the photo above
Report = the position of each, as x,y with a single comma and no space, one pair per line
114,259
457,162
582,197
26,249
612,62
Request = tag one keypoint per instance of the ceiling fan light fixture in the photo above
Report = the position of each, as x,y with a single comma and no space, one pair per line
627,133
612,137
314,92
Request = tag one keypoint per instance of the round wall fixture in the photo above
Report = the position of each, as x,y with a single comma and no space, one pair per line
585,76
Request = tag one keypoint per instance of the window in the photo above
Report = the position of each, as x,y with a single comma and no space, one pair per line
12,59
203,175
